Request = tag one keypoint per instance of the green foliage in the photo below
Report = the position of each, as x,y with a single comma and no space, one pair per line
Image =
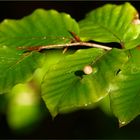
15,67
23,108
111,23
40,28
66,87
78,78
125,93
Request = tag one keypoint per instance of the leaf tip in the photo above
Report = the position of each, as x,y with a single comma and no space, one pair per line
122,123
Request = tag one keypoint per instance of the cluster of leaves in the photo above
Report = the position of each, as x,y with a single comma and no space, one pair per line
64,86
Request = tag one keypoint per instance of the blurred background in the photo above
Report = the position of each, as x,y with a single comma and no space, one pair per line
34,121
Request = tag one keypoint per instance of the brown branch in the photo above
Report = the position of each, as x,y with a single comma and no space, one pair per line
59,46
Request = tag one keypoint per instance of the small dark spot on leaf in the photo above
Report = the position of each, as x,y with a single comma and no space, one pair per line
118,71
79,73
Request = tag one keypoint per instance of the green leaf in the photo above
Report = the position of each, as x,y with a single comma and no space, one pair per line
24,108
67,87
111,23
40,28
125,90
15,67
133,43
52,57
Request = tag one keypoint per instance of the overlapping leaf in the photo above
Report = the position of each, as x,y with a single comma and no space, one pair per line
15,67
36,29
111,23
66,87
23,107
133,43
125,93
40,28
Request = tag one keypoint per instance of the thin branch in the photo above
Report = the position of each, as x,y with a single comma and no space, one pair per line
57,46
75,44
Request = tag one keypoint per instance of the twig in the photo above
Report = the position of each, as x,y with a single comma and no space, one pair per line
59,46
39,48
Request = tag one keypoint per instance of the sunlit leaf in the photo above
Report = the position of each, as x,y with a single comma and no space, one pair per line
40,28
50,58
125,90
23,108
15,67
67,86
133,43
111,23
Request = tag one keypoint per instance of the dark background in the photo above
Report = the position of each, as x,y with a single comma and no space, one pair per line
77,9
80,124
